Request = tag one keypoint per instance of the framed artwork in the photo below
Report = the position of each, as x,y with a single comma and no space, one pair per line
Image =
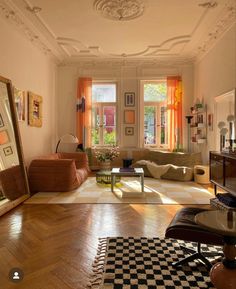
20,103
129,116
210,121
8,151
1,121
129,131
129,99
35,109
4,138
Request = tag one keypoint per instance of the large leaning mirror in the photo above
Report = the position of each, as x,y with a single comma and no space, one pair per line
225,109
14,186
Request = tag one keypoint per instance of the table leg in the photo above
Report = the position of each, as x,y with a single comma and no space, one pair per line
113,182
142,183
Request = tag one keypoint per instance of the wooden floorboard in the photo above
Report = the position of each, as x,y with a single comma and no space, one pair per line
55,244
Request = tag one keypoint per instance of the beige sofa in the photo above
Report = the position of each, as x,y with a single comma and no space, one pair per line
183,164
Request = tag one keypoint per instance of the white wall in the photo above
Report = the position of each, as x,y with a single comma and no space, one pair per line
128,80
214,75
29,69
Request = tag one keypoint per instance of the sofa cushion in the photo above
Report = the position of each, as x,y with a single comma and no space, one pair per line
177,173
178,159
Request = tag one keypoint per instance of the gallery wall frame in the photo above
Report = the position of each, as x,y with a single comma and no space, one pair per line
35,103
20,96
1,121
129,99
129,116
8,151
210,121
4,137
129,130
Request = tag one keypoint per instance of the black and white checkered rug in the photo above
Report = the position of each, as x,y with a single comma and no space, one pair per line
145,263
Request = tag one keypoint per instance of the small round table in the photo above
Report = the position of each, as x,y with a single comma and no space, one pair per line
222,274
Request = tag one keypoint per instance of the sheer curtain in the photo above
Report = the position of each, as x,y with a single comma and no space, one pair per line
174,108
84,111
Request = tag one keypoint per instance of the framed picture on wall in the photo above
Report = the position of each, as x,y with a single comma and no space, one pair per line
210,121
20,103
4,138
8,151
129,117
35,103
129,99
1,121
129,131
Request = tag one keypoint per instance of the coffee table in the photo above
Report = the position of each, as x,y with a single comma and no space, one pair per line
117,172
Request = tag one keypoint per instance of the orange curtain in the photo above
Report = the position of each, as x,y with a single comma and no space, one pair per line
174,107
84,111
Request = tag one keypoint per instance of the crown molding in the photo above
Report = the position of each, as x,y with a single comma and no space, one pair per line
126,62
13,15
226,20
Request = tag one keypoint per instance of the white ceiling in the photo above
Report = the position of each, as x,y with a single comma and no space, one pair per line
168,29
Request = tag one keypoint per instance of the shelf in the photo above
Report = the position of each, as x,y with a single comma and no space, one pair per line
198,112
199,125
201,140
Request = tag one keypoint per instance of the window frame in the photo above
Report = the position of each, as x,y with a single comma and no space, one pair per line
158,106
101,106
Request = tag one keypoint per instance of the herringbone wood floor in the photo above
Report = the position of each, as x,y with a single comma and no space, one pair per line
55,244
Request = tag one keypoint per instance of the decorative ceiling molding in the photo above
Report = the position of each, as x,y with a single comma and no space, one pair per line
170,47
210,4
75,48
137,62
14,18
120,10
163,49
225,22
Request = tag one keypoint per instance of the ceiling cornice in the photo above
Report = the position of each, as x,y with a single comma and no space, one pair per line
226,20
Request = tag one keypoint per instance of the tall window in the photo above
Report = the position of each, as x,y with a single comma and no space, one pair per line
155,130
104,114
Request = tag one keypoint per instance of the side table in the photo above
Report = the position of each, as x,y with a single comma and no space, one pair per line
222,274
201,174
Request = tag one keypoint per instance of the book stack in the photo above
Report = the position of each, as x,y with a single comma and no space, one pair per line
215,202
126,170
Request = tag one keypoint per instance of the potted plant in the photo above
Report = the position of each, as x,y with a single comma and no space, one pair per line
106,155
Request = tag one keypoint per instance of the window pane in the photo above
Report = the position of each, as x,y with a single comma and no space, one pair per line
95,125
149,125
164,134
155,91
103,93
109,125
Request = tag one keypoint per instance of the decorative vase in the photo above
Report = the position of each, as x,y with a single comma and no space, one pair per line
106,165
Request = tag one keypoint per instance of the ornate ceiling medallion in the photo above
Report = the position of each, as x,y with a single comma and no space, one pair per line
121,10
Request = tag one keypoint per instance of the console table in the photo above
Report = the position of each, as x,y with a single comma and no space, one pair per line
223,171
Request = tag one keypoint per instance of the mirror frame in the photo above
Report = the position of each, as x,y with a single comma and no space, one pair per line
16,131
219,100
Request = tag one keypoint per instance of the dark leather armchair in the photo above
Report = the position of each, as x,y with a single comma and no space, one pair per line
183,227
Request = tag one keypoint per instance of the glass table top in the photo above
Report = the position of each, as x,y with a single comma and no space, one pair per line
221,221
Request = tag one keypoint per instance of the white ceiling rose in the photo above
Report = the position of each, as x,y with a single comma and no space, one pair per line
120,10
